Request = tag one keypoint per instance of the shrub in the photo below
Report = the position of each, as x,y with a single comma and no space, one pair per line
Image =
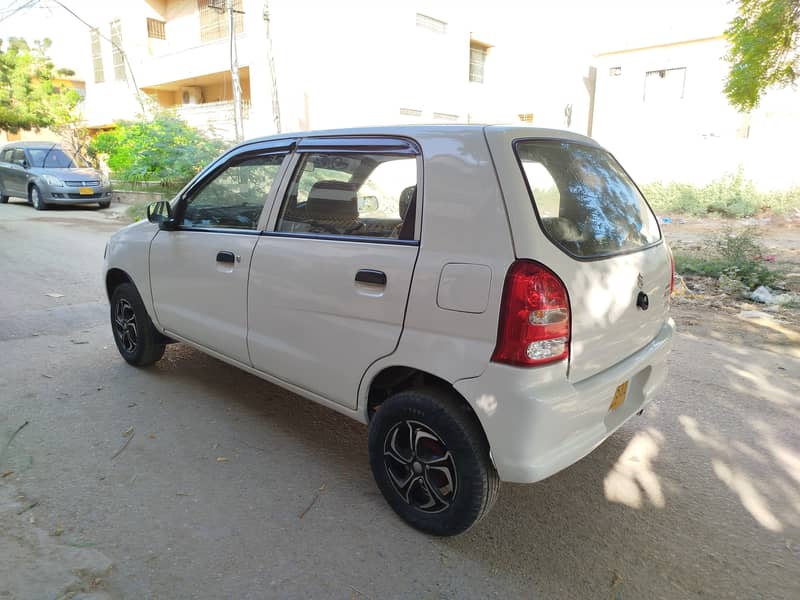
163,149
730,196
732,256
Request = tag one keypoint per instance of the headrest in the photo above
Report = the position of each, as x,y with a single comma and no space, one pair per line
406,198
332,200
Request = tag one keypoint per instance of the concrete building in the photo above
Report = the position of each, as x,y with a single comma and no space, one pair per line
336,64
661,107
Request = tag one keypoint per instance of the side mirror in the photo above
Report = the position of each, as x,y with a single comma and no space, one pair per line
161,212
367,204
25,164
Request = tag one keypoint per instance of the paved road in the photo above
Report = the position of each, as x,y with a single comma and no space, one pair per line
699,498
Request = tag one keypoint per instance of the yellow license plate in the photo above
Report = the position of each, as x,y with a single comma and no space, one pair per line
86,191
619,396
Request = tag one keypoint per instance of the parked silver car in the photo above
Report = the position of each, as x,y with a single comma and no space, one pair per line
45,173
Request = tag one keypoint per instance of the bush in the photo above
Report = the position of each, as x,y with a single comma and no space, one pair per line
731,257
163,149
729,196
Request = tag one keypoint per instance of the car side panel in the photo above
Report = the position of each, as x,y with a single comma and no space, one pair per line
463,221
129,251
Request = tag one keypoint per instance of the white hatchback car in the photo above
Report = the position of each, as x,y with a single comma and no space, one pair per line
492,301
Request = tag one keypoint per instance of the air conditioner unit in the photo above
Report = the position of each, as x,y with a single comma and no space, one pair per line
191,95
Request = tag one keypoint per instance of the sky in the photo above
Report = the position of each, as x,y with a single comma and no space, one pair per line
575,29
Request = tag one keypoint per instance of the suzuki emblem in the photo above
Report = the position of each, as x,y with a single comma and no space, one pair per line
640,281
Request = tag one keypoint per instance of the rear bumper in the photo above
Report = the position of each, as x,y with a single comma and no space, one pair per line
539,423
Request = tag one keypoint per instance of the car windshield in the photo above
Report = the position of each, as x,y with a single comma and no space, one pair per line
55,158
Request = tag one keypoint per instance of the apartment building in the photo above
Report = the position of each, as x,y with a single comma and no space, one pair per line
336,64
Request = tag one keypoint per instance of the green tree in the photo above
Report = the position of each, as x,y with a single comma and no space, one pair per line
30,97
163,148
764,40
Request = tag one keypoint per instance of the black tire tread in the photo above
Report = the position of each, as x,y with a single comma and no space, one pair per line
436,401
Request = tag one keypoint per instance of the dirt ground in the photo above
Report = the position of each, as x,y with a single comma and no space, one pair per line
701,307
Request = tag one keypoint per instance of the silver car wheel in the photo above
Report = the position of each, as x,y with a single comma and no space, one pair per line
420,467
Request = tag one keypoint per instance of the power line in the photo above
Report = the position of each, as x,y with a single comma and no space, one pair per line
14,11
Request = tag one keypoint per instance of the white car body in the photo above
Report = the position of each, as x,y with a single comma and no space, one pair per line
288,309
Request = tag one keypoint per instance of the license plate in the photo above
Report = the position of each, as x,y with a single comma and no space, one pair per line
619,396
86,191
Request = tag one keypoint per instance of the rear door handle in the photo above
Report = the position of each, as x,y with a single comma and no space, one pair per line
226,256
371,276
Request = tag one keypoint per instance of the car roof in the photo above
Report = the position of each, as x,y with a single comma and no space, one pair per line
423,131
32,144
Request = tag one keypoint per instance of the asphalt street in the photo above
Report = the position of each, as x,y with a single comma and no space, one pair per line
197,480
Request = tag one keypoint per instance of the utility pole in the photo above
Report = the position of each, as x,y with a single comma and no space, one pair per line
236,84
276,108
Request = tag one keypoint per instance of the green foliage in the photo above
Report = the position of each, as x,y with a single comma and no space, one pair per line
163,148
29,94
138,211
729,196
732,256
764,40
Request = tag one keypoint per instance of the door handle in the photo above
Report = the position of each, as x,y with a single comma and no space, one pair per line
226,256
371,276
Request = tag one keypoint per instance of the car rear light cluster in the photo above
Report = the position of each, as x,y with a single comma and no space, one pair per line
534,324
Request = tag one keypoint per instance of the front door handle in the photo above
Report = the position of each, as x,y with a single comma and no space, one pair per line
371,276
225,256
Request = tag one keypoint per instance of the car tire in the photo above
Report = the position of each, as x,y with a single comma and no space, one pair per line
443,482
3,197
137,339
36,199
104,204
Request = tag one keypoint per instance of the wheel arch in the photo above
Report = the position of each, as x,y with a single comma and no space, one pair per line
115,277
396,378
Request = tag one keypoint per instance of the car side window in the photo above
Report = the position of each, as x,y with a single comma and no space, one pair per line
234,197
6,155
18,156
360,194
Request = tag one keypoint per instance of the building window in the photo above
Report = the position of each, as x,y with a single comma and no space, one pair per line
97,57
615,71
410,112
526,117
477,60
431,24
117,56
155,29
444,117
214,19
664,85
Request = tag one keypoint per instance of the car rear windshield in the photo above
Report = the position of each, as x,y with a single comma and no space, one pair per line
585,201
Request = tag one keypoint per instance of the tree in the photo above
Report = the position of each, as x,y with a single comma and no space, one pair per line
30,97
764,38
163,148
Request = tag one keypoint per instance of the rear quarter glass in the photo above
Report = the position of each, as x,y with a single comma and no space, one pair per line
585,202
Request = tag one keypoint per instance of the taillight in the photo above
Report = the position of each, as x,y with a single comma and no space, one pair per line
534,324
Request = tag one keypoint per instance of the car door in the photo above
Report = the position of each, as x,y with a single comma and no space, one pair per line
330,277
198,272
5,171
15,179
